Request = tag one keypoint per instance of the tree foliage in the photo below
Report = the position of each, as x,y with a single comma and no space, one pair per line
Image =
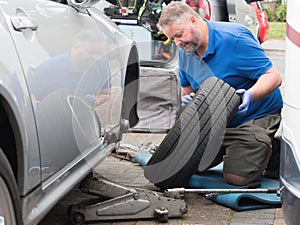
279,15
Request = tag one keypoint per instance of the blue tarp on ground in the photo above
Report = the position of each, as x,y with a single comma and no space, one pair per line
213,179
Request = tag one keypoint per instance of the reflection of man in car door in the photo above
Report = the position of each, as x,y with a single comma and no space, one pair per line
82,70
65,89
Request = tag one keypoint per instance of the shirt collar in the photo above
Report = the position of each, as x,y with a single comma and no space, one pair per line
211,39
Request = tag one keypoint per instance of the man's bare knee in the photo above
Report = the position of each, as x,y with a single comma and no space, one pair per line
237,180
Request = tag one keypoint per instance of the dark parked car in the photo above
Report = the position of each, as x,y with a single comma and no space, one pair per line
159,95
68,90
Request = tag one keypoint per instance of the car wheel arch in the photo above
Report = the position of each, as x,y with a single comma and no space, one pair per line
9,136
131,88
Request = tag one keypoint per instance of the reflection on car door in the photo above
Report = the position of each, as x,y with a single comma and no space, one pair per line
64,81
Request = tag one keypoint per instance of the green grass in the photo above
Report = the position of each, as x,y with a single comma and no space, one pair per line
277,30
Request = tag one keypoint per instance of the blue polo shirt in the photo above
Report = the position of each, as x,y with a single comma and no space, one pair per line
59,73
235,56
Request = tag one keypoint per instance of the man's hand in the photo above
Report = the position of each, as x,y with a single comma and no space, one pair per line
246,100
186,99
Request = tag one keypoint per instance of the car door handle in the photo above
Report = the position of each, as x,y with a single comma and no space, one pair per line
22,22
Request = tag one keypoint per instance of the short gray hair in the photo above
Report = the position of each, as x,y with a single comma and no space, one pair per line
88,36
175,12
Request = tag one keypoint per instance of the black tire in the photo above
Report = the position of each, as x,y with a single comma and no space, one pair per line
196,137
10,209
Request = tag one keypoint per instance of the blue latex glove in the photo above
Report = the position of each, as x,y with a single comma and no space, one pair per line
186,99
142,157
91,98
246,100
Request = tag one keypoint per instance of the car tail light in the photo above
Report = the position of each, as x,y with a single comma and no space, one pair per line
262,18
200,6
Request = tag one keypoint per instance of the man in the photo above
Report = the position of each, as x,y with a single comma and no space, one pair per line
230,52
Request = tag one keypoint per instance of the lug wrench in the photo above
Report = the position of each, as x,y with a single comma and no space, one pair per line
251,186
211,193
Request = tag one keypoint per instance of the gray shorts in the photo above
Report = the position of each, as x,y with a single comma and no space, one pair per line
245,147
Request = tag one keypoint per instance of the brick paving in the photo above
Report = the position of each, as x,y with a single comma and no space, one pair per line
200,211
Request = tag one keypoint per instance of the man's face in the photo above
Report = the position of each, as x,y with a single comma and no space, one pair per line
87,54
185,35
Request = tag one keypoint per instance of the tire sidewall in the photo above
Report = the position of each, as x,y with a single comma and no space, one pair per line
199,129
8,177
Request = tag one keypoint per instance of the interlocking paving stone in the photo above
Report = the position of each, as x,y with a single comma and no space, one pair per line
201,211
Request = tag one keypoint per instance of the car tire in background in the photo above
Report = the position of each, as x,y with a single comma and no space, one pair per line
9,207
196,137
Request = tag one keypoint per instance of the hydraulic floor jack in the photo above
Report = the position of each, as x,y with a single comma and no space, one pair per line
116,202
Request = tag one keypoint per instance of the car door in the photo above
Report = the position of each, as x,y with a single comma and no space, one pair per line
63,90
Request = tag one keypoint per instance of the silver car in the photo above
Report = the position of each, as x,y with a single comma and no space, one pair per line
68,90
